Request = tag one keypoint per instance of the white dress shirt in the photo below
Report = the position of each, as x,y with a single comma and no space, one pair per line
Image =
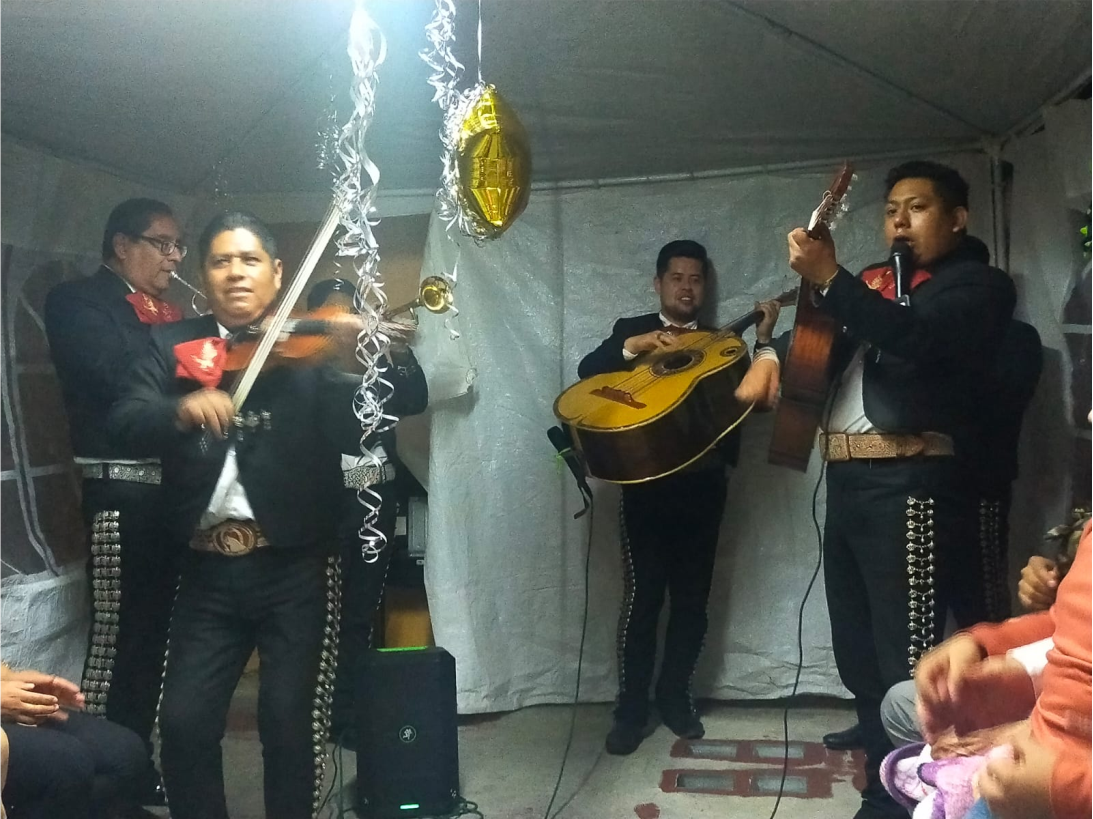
229,500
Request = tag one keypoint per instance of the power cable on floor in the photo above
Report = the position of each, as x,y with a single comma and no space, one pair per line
580,661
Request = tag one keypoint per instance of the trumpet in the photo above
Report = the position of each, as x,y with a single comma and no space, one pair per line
435,295
192,289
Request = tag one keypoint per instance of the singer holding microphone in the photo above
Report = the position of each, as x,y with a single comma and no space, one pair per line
919,340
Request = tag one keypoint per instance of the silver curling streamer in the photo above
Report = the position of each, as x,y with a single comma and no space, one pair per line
454,104
447,72
355,188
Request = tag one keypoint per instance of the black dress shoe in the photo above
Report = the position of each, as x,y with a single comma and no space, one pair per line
624,738
681,719
847,740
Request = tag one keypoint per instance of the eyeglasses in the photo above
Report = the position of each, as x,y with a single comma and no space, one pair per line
164,246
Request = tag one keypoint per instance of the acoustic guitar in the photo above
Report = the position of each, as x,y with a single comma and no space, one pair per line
807,370
664,413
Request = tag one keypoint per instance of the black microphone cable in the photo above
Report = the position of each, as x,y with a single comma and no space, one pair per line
801,613
589,502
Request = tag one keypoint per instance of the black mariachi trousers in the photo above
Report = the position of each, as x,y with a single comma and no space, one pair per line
669,532
893,551
80,768
983,595
134,574
284,603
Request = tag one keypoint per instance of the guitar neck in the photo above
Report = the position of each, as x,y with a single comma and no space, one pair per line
752,317
739,325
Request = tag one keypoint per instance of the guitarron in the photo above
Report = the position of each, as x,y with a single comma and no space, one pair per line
807,371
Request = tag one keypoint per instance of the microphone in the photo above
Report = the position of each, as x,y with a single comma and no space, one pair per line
902,265
560,440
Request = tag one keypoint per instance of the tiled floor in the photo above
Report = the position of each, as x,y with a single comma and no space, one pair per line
509,764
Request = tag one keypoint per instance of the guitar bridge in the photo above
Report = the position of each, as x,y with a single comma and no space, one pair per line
618,396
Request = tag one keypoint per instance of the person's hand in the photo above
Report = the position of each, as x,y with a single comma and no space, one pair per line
764,331
976,742
759,386
22,704
207,408
1039,584
656,341
937,678
813,259
1019,787
995,691
67,692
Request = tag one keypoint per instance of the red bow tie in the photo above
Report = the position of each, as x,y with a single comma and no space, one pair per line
151,310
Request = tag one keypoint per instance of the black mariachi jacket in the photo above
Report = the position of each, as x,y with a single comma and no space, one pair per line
929,365
94,336
290,467
608,358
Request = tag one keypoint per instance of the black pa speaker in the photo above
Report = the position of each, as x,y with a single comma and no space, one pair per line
407,745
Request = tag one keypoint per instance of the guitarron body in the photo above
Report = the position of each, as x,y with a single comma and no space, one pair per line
806,380
662,415
807,371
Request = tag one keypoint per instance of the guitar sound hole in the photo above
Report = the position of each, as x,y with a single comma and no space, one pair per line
677,362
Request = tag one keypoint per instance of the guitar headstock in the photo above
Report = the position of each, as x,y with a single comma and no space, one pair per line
833,205
787,298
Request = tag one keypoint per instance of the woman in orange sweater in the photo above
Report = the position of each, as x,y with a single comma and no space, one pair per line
967,683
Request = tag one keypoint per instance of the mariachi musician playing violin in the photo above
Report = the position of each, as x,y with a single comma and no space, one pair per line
254,494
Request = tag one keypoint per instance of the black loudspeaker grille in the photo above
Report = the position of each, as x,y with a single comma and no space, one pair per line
408,754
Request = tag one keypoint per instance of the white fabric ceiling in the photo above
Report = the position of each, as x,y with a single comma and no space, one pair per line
159,92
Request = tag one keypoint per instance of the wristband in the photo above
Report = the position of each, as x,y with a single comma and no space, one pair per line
826,284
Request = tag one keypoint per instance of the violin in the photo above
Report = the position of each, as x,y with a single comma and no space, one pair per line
301,339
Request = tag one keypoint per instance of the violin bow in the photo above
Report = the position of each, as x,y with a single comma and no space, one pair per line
276,323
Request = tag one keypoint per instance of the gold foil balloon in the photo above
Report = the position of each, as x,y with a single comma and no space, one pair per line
494,163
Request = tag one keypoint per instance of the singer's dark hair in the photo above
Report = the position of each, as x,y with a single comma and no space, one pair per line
322,291
686,249
949,184
235,220
131,218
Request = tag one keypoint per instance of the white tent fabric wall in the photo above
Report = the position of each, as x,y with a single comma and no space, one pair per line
53,209
505,567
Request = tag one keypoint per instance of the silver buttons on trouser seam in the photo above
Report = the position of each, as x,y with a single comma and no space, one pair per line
106,601
328,665
920,578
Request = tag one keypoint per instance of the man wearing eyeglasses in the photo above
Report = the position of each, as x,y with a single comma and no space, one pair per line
97,326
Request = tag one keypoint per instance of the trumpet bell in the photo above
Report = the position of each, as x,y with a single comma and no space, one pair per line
436,295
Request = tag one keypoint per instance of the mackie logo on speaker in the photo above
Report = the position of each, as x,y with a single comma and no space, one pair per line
407,734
